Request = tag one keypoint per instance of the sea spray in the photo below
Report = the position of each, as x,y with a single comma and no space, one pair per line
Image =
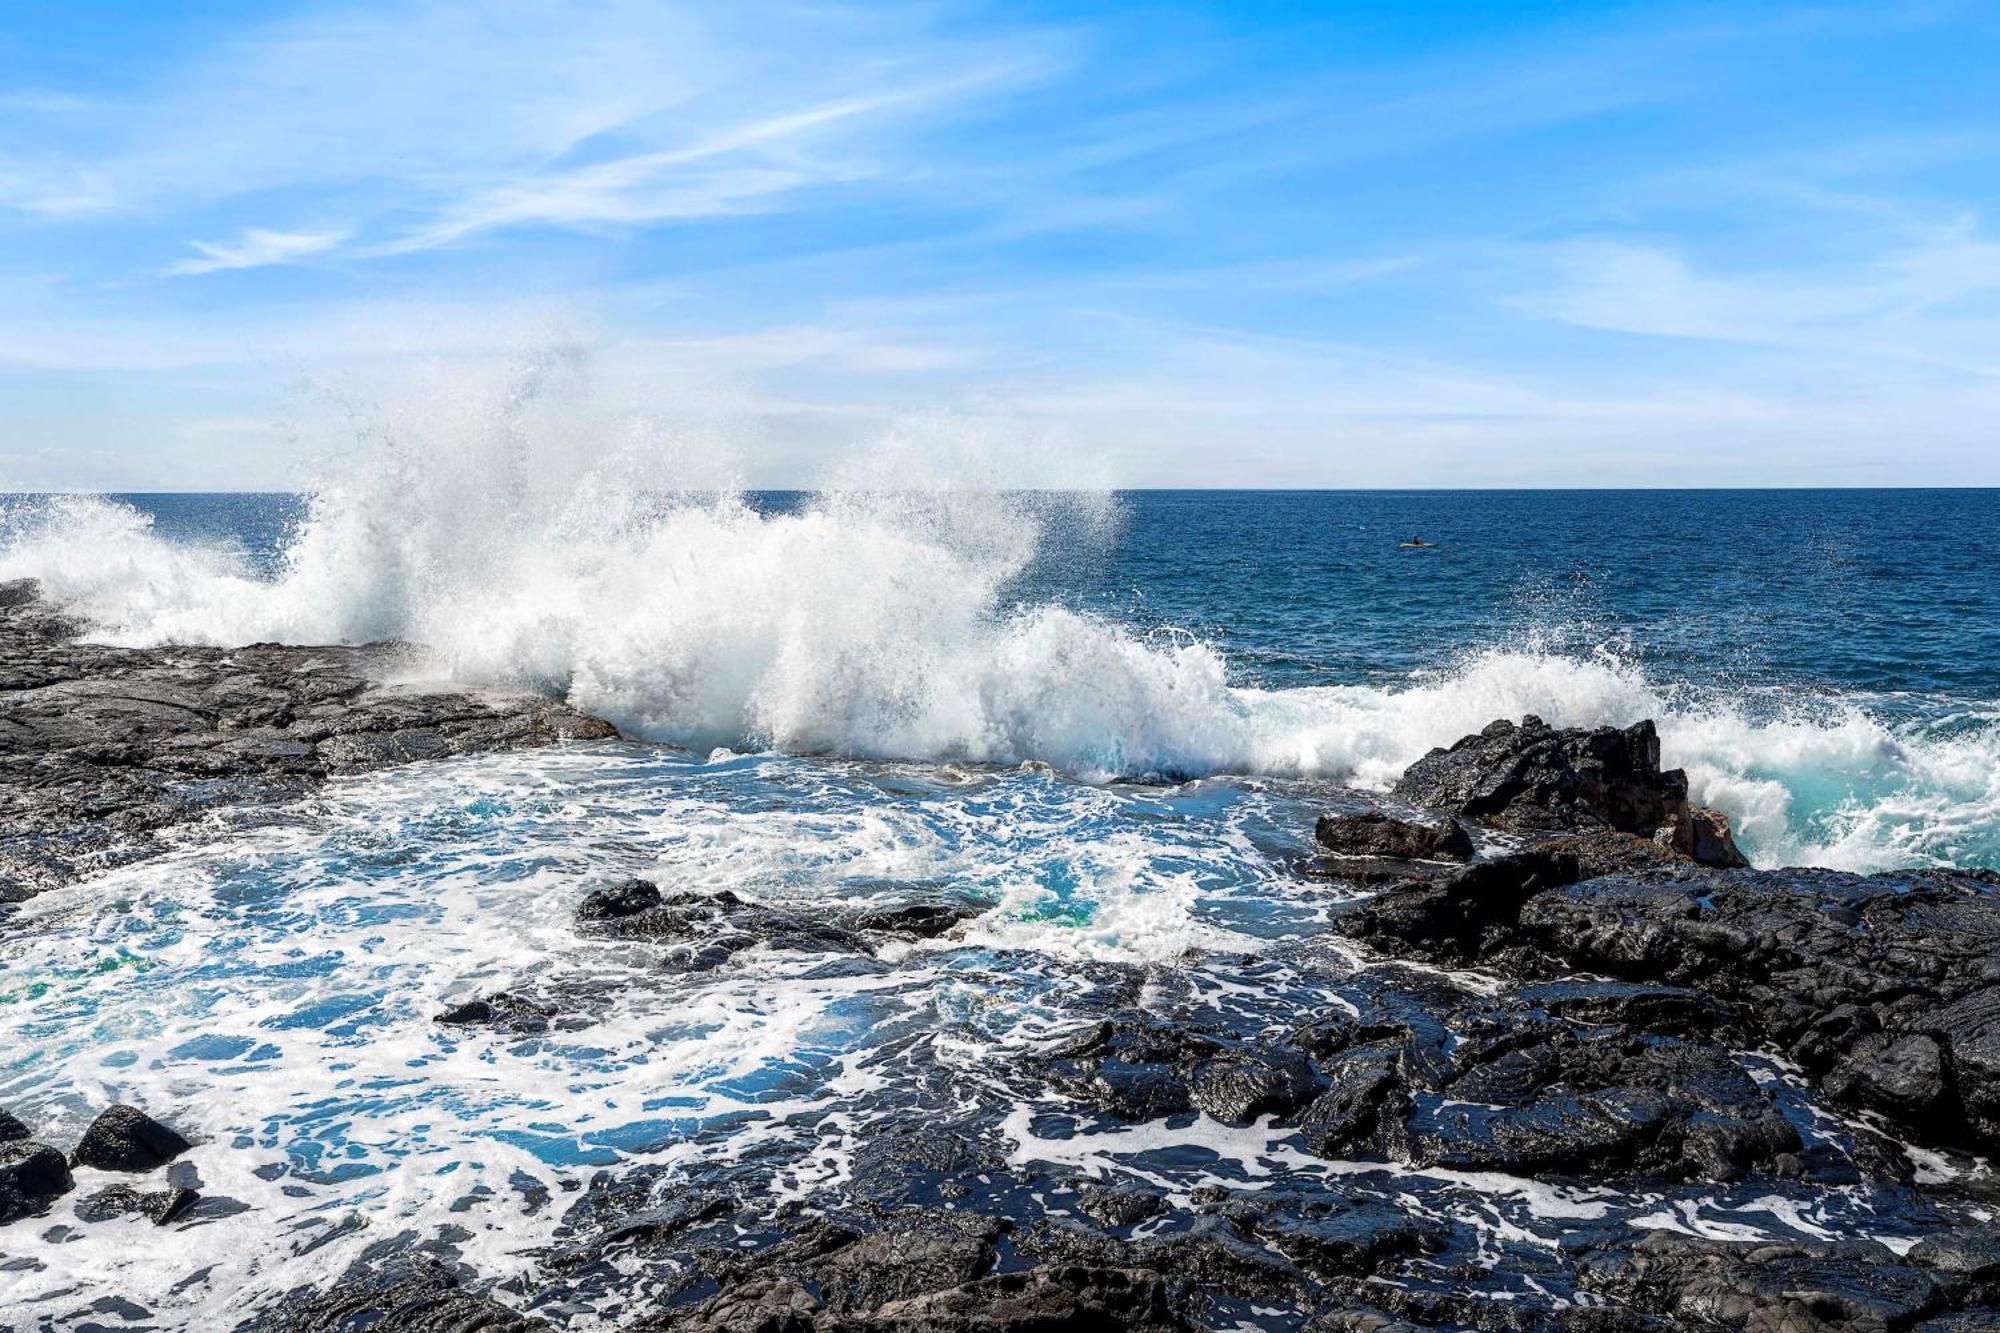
889,621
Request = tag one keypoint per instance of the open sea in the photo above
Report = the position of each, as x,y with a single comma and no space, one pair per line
1106,719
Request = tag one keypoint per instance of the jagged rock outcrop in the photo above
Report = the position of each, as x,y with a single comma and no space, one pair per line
1533,778
1884,987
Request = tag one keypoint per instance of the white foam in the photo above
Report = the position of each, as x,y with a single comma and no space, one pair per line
878,623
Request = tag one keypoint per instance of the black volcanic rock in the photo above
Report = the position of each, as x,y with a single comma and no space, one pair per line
411,1296
114,1201
628,897
1844,1287
124,1138
32,1175
502,1009
1884,987
1379,835
11,1128
1535,778
706,930
1138,1067
101,748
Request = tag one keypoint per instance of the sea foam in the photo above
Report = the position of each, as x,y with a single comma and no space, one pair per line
882,622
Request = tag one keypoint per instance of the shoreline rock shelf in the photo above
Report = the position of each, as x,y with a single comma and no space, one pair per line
102,748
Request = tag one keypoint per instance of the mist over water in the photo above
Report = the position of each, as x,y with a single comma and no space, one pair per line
918,609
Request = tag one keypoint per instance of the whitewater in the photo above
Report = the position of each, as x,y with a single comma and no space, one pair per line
890,624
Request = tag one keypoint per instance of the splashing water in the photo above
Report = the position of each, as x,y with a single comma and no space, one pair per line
906,615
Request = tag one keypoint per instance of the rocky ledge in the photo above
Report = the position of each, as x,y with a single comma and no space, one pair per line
1884,989
102,748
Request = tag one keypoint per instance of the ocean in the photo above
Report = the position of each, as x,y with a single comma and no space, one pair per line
1106,719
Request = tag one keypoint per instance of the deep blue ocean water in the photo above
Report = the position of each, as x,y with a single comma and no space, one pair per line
1881,591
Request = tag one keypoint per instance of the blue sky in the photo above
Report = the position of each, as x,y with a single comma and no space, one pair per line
1295,245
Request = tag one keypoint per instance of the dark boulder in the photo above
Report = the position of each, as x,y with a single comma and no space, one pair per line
1906,1077
11,1129
161,1206
1120,1206
1534,778
126,1139
628,897
1845,1287
1379,835
1045,1299
1331,1239
32,1175
916,921
1972,1253
1455,918
1243,1085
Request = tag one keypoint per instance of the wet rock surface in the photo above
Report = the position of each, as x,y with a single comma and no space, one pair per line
1534,778
124,1138
1885,988
160,1207
703,931
32,1176
102,748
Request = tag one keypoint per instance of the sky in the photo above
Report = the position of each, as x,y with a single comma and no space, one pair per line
1447,244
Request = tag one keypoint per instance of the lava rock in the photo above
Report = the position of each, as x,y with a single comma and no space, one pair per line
102,748
1051,1297
11,1129
1379,835
1363,1108
1532,776
161,1206
411,1296
1121,1205
628,897
1243,1085
1332,1240
32,1175
1885,985
124,1138
502,1010
1969,1252
1453,918
1845,1287
1140,1067
1905,1077
916,921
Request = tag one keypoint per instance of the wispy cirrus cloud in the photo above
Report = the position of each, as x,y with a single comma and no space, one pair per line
256,248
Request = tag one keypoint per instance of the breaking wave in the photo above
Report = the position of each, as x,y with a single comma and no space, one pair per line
880,622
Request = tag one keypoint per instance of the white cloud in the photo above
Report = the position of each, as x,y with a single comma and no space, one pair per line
257,248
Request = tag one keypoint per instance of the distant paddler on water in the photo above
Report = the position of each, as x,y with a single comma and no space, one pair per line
1415,544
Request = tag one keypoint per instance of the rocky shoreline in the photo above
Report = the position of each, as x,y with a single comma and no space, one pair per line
1541,970
104,749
